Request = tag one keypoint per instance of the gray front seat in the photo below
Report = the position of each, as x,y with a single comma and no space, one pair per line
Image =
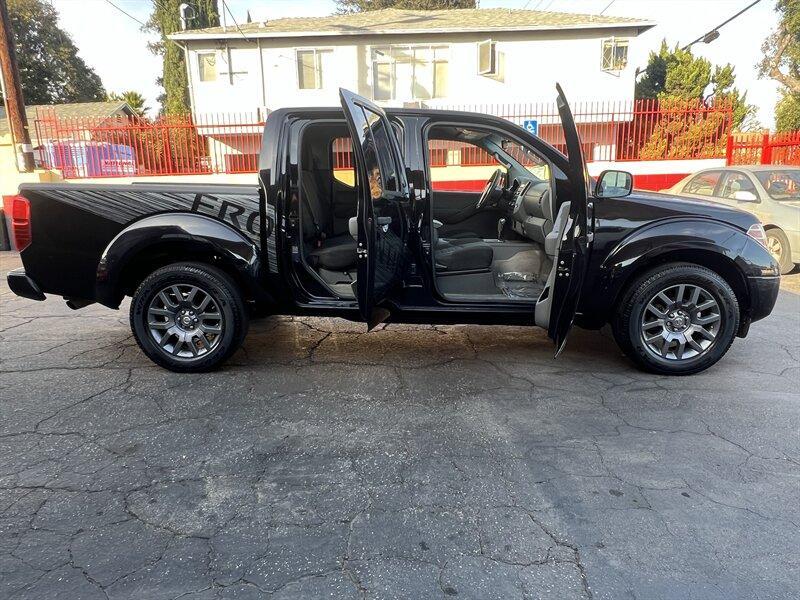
460,254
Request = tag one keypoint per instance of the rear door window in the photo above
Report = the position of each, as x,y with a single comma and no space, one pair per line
344,170
383,169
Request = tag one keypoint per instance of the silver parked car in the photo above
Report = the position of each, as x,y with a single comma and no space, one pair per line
770,192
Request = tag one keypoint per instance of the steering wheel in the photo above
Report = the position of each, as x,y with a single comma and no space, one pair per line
493,190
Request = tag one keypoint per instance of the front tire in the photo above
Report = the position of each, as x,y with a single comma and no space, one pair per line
678,319
188,317
778,246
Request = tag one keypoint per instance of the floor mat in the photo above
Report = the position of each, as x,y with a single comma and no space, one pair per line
519,286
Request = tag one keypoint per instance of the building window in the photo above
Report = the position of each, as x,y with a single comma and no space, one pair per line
487,58
207,66
310,66
409,72
615,54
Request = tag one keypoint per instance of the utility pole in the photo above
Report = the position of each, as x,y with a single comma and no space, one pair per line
12,91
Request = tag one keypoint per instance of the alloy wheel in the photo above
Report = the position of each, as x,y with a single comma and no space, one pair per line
680,322
185,321
775,247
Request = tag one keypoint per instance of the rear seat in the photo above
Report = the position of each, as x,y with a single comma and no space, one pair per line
335,252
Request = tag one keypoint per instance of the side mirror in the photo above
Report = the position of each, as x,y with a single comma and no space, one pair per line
613,184
745,196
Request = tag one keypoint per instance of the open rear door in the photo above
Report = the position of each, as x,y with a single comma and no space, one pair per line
573,253
383,194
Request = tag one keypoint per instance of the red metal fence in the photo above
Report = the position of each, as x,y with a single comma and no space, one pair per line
611,131
764,148
229,142
122,146
619,130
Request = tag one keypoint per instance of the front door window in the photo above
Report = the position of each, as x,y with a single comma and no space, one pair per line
734,183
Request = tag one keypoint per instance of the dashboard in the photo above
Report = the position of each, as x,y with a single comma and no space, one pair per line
531,208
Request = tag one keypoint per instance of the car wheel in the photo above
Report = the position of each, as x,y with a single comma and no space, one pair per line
778,246
678,319
188,317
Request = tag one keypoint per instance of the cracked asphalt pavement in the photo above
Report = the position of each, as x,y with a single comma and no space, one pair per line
411,462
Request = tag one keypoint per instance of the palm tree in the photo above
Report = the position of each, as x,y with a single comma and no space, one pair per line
133,99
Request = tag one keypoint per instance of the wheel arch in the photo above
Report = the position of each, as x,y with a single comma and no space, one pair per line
715,261
707,243
158,240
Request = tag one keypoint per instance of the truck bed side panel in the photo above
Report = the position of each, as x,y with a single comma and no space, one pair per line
73,224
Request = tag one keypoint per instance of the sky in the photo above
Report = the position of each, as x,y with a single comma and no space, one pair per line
114,45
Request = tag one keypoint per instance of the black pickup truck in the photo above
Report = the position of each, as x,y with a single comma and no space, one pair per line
357,213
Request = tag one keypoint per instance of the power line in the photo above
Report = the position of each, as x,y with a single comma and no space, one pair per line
145,25
225,6
607,6
714,33
127,14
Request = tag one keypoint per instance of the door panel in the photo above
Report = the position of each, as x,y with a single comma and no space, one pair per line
383,197
573,252
456,210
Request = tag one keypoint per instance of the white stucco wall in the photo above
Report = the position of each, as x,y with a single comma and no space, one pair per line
532,62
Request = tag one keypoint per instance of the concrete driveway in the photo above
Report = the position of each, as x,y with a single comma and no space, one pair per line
412,462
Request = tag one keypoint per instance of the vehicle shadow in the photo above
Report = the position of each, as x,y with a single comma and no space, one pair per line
335,341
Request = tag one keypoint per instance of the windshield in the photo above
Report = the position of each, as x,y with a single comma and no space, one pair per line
523,158
781,184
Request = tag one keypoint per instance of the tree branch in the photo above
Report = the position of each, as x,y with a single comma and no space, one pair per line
773,65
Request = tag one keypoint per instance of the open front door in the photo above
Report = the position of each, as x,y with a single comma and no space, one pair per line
573,252
383,194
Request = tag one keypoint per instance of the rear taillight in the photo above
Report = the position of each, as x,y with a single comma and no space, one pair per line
19,208
756,231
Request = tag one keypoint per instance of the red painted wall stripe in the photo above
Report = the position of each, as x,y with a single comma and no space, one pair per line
653,183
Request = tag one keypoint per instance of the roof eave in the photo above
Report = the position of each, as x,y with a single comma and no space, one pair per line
640,26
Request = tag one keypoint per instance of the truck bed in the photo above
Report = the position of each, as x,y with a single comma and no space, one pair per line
72,224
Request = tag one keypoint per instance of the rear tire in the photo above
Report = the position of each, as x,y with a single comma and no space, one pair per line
677,319
188,317
778,246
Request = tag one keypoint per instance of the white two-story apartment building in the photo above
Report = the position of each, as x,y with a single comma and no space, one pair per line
401,57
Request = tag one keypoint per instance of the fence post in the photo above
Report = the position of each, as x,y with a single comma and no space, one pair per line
766,150
729,149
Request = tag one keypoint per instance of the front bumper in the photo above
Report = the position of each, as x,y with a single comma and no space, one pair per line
763,295
24,286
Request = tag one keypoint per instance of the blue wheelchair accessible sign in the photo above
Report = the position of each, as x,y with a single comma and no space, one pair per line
531,126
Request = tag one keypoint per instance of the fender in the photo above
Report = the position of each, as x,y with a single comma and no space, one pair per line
670,236
717,244
679,235
188,231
